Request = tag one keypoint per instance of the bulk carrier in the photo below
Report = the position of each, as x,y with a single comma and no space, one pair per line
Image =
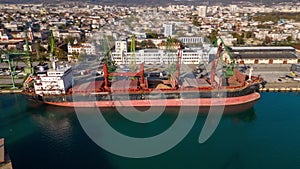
232,89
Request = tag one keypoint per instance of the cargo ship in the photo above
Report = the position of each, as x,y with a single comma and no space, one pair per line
236,91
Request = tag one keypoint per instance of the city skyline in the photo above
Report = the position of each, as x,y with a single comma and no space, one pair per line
150,3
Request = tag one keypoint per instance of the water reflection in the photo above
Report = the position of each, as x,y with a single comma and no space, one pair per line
50,136
245,116
55,122
14,121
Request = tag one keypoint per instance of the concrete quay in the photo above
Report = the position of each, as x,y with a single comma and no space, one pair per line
11,91
281,87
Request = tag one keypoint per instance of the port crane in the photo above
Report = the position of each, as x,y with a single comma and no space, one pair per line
28,57
53,59
11,56
132,54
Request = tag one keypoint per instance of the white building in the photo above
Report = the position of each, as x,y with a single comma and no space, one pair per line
191,40
202,11
195,56
228,39
233,8
159,56
121,46
169,29
81,48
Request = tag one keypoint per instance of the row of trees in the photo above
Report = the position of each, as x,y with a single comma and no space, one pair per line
246,35
276,16
42,53
41,50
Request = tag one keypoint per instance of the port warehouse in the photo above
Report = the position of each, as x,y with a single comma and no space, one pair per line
265,55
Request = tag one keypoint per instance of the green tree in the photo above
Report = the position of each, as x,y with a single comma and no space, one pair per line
60,54
196,23
248,34
69,39
40,51
213,35
240,40
267,40
151,34
150,44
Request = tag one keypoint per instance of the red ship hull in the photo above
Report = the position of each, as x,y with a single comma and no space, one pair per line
230,104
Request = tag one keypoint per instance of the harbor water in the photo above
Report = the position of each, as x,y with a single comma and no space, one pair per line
40,136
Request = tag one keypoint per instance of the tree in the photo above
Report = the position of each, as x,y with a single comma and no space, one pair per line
240,40
268,40
213,35
248,34
143,44
40,51
76,55
69,39
150,44
196,22
151,34
60,54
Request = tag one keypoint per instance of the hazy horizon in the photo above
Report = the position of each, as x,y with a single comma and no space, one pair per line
150,3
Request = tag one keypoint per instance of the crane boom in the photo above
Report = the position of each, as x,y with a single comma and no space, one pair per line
28,69
170,54
229,68
52,50
133,56
214,65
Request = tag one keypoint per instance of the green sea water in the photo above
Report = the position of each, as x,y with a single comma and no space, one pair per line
46,137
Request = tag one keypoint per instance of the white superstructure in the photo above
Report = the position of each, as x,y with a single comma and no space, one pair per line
56,81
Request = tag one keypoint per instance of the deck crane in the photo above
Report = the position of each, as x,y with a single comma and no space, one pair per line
229,67
132,55
228,64
214,64
107,54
